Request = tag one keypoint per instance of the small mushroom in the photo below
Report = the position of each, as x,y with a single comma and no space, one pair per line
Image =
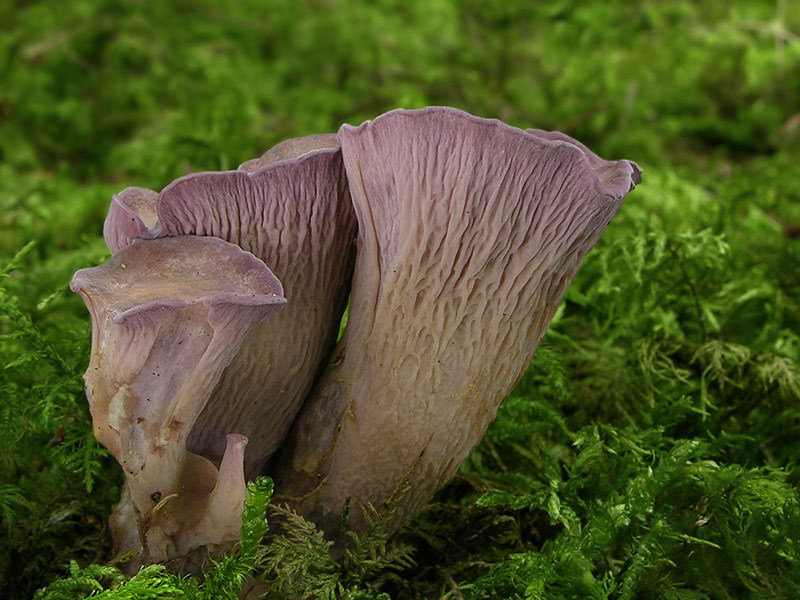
291,208
168,316
469,232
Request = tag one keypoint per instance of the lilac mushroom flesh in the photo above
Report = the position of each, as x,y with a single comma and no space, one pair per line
469,233
168,316
291,208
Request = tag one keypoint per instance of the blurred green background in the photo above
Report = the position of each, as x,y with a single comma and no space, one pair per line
674,359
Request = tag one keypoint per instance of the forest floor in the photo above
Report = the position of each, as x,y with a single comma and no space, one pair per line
650,451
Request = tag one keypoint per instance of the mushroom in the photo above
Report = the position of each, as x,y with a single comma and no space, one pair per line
168,316
290,208
469,232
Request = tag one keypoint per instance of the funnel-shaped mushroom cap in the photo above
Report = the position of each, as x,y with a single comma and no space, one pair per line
176,273
168,316
290,208
469,233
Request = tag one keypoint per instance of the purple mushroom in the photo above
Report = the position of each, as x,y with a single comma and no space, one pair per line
290,208
469,232
168,317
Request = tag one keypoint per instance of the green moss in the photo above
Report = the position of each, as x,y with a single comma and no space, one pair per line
648,452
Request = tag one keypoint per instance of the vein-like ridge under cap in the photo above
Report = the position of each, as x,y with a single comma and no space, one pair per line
134,212
469,233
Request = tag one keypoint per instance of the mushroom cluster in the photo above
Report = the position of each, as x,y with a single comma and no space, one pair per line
214,350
